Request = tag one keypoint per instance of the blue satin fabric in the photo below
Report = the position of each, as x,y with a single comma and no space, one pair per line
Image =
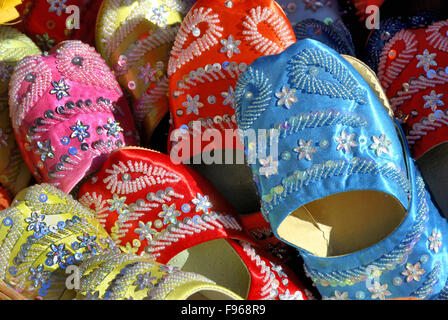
324,10
332,98
384,266
335,35
388,29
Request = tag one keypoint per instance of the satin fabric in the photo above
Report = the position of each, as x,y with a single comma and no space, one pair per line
361,115
327,11
158,201
203,78
47,23
413,72
407,263
138,50
388,28
68,113
384,271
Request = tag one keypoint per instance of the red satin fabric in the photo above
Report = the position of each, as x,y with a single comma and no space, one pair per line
228,22
37,20
97,192
407,84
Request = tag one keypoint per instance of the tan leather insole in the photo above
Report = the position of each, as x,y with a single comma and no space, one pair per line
219,262
342,223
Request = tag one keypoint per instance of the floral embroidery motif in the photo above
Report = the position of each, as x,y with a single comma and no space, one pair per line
57,6
380,145
169,214
229,97
305,150
193,104
286,97
230,46
426,60
160,16
45,149
88,242
147,74
44,41
145,230
435,241
340,296
38,275
60,89
36,222
433,101
202,203
346,142
144,281
57,255
288,296
413,272
313,4
80,131
118,204
269,167
113,128
379,291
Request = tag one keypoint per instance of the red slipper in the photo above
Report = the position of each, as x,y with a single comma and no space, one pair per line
167,211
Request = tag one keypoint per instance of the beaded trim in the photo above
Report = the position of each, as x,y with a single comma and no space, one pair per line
303,75
435,37
181,55
416,85
388,261
276,22
388,74
150,97
156,39
258,100
428,286
131,267
113,37
269,289
317,119
329,169
208,73
151,175
92,70
32,68
189,227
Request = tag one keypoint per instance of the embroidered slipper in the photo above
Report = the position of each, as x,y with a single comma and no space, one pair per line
378,38
117,276
14,46
48,23
348,196
68,113
412,70
215,42
335,35
41,234
327,11
168,212
135,40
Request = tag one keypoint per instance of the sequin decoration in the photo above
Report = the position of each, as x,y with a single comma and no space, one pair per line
426,60
60,89
346,141
305,150
80,131
286,97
